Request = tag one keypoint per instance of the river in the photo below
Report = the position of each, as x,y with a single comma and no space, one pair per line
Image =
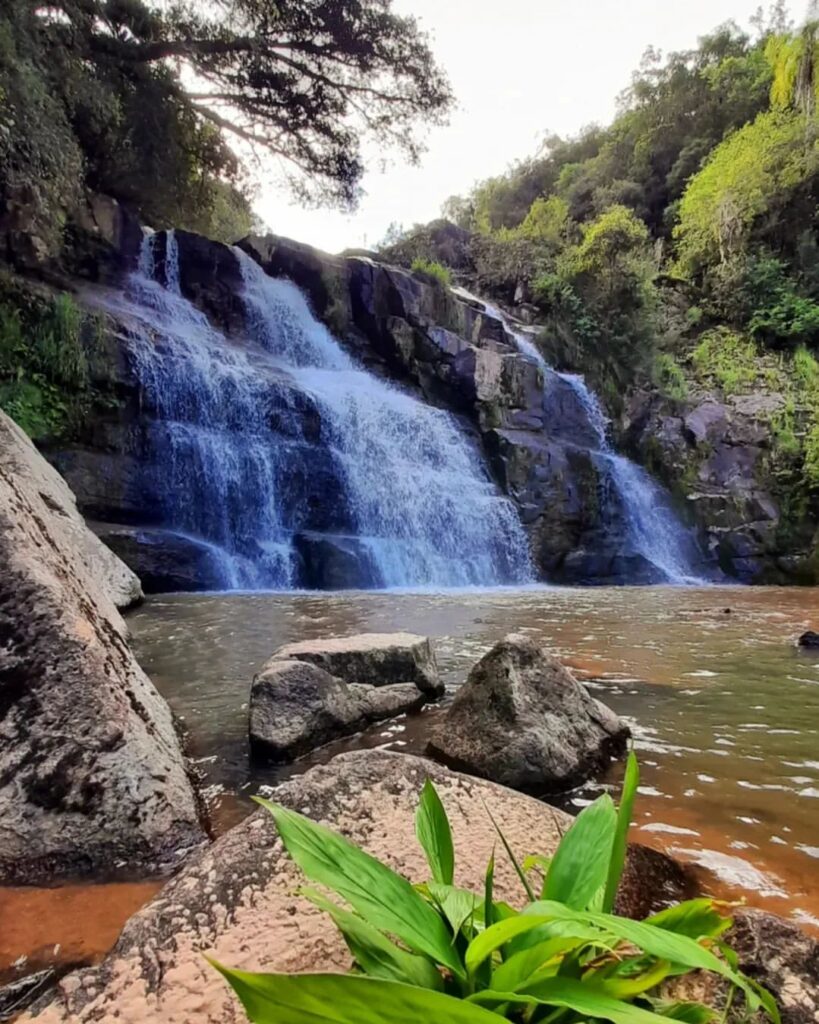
724,709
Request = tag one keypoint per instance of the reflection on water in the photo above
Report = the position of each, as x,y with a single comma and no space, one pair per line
725,709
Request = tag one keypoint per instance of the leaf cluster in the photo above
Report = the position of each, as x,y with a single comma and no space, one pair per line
436,951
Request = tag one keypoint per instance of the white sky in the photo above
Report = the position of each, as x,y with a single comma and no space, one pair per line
520,69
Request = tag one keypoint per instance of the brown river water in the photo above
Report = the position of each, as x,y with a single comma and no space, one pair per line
724,709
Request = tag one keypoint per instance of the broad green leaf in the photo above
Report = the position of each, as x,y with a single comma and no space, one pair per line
457,905
633,985
374,953
435,835
688,1013
563,929
345,999
518,968
580,866
518,869
498,935
678,949
383,898
624,814
698,919
575,996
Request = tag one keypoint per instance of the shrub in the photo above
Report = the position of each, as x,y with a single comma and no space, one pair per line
727,359
429,268
44,374
436,952
669,377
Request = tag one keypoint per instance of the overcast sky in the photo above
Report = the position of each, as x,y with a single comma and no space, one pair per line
520,69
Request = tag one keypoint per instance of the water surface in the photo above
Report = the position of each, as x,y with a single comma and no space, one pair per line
724,707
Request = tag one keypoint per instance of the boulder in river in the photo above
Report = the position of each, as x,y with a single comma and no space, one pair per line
238,901
523,720
295,706
378,659
92,778
809,639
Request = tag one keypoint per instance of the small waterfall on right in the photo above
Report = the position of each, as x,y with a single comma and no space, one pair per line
651,528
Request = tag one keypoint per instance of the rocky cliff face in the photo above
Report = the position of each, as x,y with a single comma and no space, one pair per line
716,454
446,348
92,779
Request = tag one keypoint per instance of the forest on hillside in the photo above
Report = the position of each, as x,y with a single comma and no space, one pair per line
678,247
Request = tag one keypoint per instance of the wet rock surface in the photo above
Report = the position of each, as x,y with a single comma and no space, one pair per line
92,778
295,706
523,720
376,659
237,901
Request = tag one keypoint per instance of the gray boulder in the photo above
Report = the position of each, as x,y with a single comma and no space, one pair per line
523,720
377,659
92,778
295,706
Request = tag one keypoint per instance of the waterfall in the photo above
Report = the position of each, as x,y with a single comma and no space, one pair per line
421,502
651,527
274,444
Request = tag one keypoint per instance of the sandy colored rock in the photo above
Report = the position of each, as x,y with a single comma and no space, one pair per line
237,900
20,460
92,778
374,658
523,720
295,706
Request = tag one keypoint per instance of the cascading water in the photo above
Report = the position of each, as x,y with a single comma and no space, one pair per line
652,530
242,431
420,501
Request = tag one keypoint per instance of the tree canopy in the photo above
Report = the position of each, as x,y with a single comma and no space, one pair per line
164,105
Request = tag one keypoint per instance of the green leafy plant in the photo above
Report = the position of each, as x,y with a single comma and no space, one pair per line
669,377
430,268
437,952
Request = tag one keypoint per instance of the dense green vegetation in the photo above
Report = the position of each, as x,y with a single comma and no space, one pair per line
46,382
679,246
434,951
432,269
161,105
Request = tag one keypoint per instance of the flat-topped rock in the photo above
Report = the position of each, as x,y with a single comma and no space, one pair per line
377,659
295,706
92,778
238,900
523,720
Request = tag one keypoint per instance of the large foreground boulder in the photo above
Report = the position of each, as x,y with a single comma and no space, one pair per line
296,706
92,778
523,720
378,659
238,900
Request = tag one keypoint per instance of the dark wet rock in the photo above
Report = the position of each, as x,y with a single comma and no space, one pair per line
238,900
523,720
16,995
335,562
92,779
809,639
374,659
165,561
295,706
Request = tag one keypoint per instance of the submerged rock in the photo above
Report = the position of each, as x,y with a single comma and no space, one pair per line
238,900
295,706
377,659
92,779
523,720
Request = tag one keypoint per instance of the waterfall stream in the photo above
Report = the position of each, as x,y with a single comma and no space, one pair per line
276,445
651,528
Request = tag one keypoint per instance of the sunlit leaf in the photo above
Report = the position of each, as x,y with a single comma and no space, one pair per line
435,835
383,898
345,999
620,843
580,866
